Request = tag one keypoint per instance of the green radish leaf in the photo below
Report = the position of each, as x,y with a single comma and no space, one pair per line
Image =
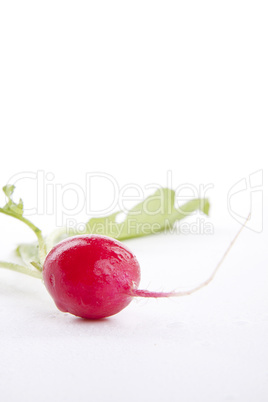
29,254
9,190
12,207
156,213
106,225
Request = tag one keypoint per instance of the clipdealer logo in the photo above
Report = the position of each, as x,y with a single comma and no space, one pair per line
66,201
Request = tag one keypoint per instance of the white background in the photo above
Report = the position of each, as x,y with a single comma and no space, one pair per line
134,90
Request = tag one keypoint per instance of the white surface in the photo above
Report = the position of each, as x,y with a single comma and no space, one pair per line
211,345
134,90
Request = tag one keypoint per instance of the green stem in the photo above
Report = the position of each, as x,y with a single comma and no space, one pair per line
36,230
20,268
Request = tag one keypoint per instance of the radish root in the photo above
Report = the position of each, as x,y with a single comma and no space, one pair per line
147,293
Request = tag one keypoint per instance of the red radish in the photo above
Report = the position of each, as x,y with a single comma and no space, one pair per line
91,276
